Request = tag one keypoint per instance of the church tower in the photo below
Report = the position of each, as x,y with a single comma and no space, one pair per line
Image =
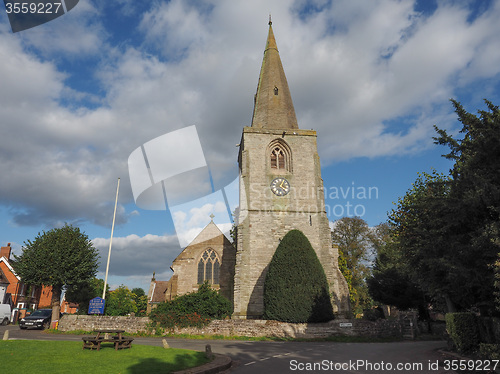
280,189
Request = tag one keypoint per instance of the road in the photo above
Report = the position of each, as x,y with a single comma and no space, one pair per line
304,357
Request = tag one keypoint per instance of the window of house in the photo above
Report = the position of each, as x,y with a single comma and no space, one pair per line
209,267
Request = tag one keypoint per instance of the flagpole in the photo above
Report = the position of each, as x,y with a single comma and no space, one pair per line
111,241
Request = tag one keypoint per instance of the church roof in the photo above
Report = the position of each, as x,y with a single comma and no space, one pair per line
209,232
273,107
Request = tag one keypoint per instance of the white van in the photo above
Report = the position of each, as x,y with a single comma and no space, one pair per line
4,314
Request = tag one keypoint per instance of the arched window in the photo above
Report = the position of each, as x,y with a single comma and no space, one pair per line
280,155
209,267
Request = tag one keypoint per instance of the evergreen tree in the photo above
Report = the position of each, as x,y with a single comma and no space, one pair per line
390,282
296,288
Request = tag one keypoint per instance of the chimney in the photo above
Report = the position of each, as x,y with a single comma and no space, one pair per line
5,251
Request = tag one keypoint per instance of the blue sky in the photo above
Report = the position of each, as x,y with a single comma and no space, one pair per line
79,94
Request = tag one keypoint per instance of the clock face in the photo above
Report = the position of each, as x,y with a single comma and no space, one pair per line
280,186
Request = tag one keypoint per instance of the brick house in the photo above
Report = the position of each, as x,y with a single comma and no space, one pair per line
14,292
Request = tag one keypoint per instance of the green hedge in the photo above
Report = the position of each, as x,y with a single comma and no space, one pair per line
296,288
194,309
489,351
464,331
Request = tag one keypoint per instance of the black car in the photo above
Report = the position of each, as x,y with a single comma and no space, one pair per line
39,319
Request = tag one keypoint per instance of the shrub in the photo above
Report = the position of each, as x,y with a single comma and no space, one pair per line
296,288
489,351
373,314
195,309
463,330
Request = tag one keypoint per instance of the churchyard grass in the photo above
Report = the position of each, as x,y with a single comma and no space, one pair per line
36,356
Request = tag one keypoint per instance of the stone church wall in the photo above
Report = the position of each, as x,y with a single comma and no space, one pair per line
241,327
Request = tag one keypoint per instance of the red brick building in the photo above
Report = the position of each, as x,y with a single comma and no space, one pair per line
14,292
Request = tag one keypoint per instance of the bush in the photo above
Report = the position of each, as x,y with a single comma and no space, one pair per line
195,309
296,288
373,314
463,330
489,351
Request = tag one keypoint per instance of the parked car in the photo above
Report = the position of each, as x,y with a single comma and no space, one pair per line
4,314
39,319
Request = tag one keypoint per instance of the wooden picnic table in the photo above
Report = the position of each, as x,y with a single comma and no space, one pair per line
104,336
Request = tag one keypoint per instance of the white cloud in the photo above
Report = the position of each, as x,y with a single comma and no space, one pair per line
135,256
353,68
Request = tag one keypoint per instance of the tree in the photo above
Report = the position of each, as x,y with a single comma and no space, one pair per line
120,302
390,282
475,191
422,223
141,301
61,258
82,292
295,287
355,241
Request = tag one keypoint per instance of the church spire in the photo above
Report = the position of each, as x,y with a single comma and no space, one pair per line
273,107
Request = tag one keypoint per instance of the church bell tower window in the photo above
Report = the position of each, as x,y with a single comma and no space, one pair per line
209,267
280,156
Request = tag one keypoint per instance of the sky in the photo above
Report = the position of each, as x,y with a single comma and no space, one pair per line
85,97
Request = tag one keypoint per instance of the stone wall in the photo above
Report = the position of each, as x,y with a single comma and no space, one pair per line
71,322
241,327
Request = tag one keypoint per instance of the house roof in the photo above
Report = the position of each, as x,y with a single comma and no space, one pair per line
159,291
3,278
9,266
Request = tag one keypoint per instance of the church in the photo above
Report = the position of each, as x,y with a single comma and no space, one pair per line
281,189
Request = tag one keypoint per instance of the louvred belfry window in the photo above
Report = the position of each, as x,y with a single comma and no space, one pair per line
209,267
277,158
280,155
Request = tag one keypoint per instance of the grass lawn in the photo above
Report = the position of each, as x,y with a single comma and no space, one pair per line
37,356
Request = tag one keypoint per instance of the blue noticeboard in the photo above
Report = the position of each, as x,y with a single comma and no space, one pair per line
96,305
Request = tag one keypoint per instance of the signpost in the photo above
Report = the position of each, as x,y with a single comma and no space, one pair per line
96,305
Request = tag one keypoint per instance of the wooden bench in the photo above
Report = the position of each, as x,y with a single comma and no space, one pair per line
123,343
92,342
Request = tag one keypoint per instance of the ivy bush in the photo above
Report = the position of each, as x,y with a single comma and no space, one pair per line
463,330
295,287
195,309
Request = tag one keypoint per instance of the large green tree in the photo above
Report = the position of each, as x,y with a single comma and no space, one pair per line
295,287
447,227
475,192
390,282
355,241
61,258
422,223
